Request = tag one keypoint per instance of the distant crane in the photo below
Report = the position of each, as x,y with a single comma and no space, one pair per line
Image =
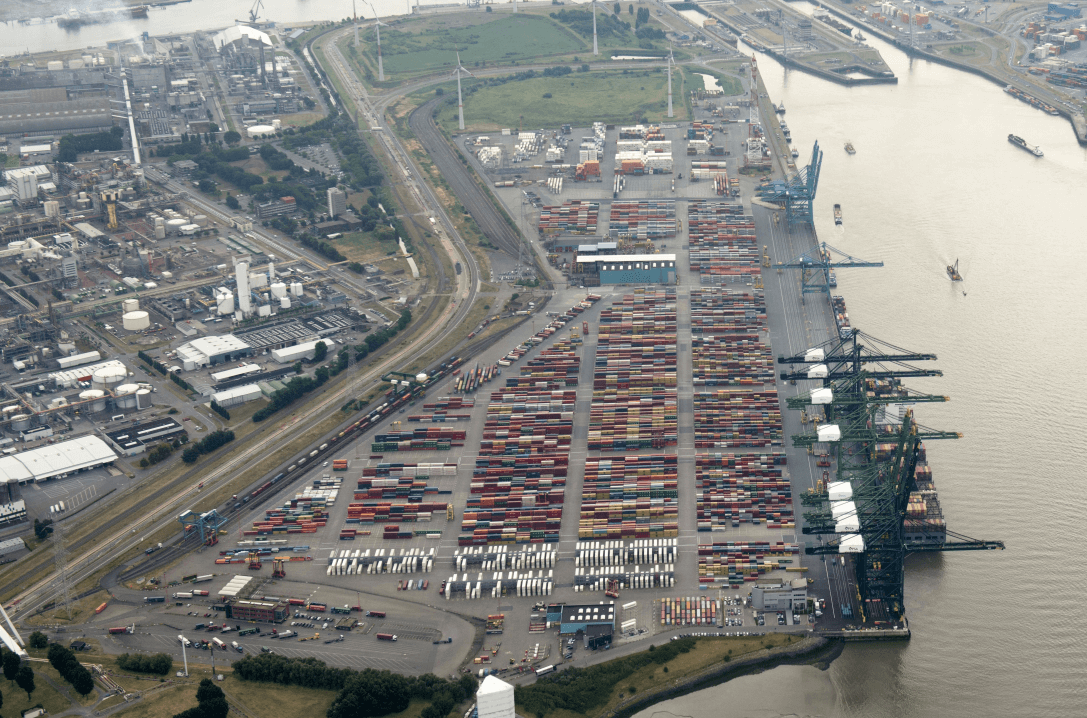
355,21
815,267
595,49
377,27
254,12
671,62
460,99
277,568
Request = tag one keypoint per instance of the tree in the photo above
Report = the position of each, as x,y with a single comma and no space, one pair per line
231,137
630,8
232,202
25,680
320,351
11,660
618,9
321,375
206,186
38,640
297,367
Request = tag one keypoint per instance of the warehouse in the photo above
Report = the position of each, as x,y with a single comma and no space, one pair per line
71,377
631,268
574,618
237,371
298,352
135,439
237,395
49,111
256,611
11,546
78,359
209,351
780,595
56,461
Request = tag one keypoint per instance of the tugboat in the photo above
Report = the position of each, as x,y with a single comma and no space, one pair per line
849,148
837,214
795,153
780,109
1020,142
953,272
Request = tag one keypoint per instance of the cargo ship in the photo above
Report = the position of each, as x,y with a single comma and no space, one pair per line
837,214
953,272
849,148
1032,101
75,19
1020,142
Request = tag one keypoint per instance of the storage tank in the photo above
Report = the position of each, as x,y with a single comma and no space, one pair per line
108,377
200,220
224,303
18,244
296,289
160,231
284,302
126,396
421,378
264,310
7,411
96,397
130,305
136,321
189,229
143,399
279,290
54,65
260,131
20,422
175,225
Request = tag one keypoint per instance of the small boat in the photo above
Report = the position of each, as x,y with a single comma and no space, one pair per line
953,272
861,37
1020,142
837,214
795,153
849,148
780,109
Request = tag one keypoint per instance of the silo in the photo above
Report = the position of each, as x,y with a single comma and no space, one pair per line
20,422
136,321
160,231
296,289
200,220
130,305
224,303
264,310
108,377
279,290
8,411
174,225
126,396
284,302
143,399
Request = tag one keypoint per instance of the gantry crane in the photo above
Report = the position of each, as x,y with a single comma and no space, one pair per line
875,442
254,561
815,268
797,193
278,570
206,524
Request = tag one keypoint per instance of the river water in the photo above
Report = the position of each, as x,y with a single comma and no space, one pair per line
934,178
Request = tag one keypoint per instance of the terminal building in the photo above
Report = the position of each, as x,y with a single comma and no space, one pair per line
135,439
596,622
630,268
266,611
780,595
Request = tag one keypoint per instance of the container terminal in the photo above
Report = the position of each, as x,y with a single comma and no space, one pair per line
692,435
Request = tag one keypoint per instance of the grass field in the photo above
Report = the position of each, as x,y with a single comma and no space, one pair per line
366,247
577,98
504,39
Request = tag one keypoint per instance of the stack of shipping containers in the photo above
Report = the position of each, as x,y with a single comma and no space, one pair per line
723,243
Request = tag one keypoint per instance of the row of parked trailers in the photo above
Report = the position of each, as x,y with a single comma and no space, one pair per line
500,584
600,579
347,562
619,553
498,558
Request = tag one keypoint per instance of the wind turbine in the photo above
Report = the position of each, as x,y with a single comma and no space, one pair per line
671,61
596,51
377,27
460,101
355,16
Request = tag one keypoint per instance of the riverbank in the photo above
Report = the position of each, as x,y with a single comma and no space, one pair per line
812,650
1078,121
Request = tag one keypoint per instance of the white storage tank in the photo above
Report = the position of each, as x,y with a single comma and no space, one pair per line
279,290
264,310
224,303
136,321
20,422
160,231
108,377
188,229
296,289
284,302
54,65
260,131
143,399
175,225
130,305
96,397
201,220
126,396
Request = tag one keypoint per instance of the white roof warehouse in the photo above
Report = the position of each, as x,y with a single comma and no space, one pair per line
56,460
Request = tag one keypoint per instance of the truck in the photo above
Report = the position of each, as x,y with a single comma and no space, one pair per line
545,670
200,593
205,577
183,594
184,641
317,607
376,614
102,607
154,599
120,629
847,611
218,643
386,637
248,631
236,647
286,634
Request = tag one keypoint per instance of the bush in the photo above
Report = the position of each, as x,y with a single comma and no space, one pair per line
208,444
160,663
72,145
159,453
218,409
66,664
38,640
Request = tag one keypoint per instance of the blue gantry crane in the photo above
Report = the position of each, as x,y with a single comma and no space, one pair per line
816,265
206,524
797,193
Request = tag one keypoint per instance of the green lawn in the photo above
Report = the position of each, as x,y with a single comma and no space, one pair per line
504,39
729,85
577,98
